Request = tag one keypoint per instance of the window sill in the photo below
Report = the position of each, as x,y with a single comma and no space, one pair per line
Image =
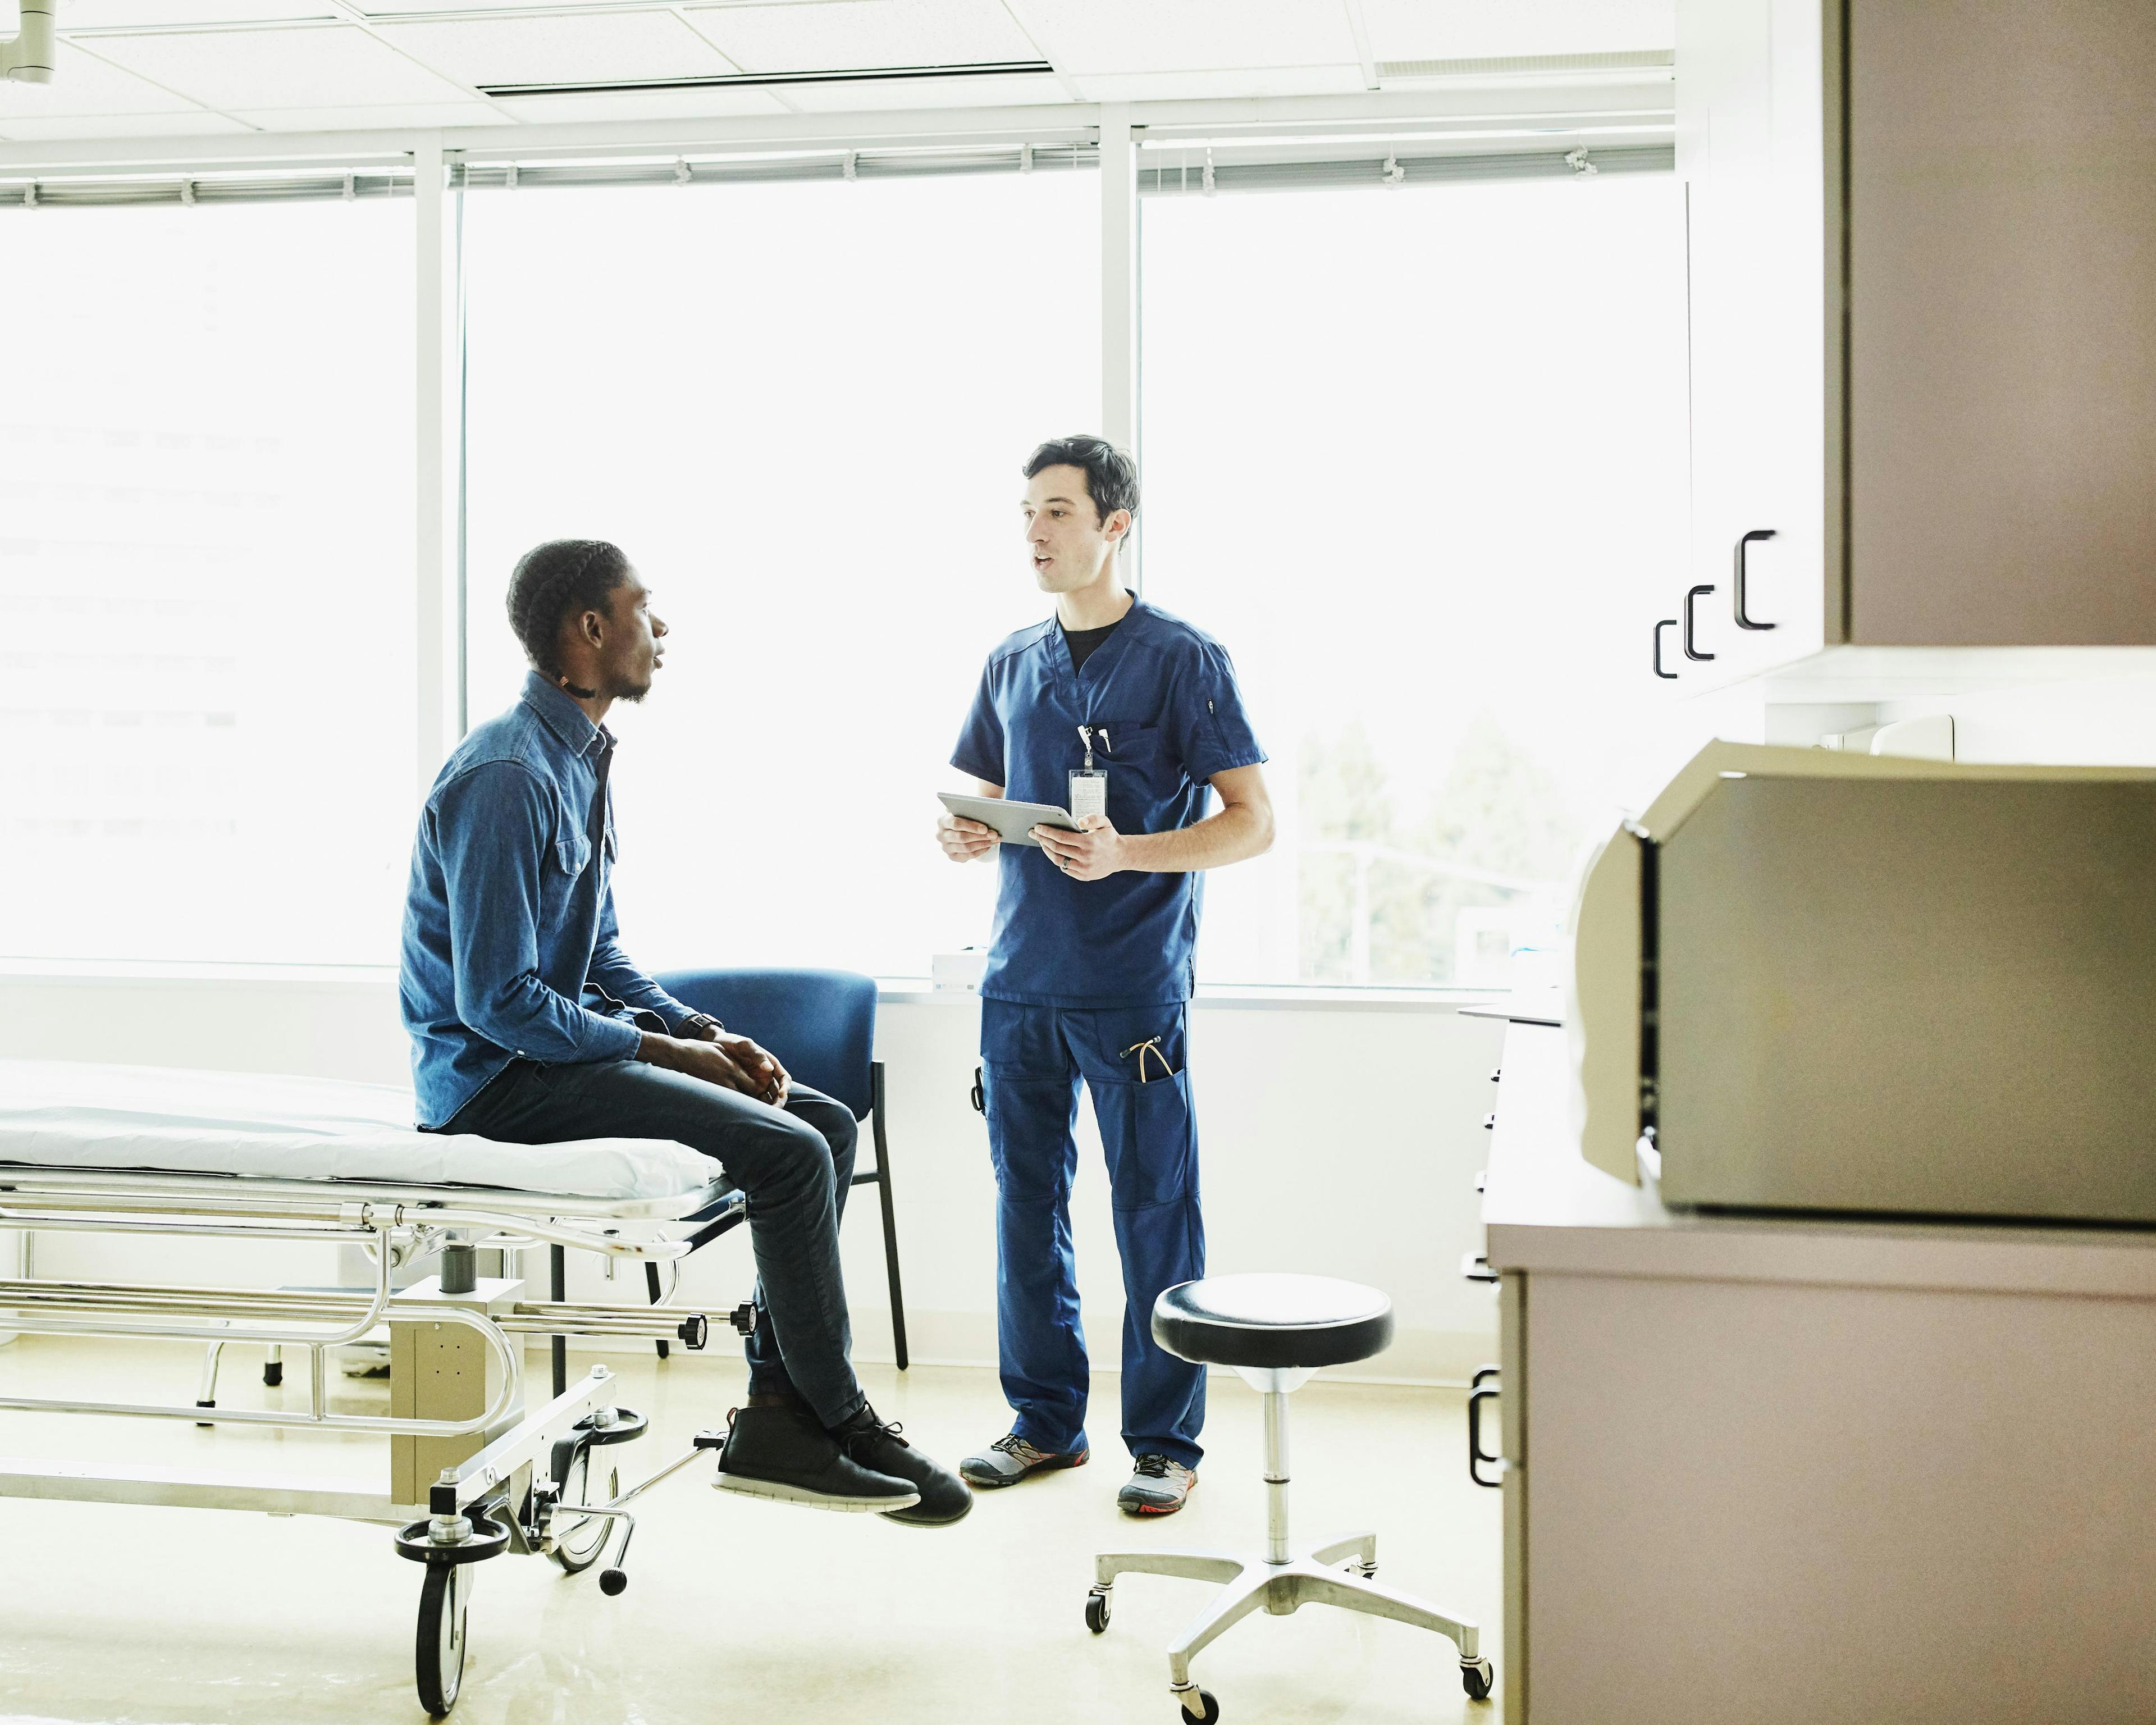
891,990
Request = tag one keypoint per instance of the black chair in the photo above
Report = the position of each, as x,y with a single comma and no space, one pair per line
821,1025
1274,1331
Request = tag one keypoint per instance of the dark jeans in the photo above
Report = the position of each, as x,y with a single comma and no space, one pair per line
796,1164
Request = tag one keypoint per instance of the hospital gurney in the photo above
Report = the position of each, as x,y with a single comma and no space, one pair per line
473,1471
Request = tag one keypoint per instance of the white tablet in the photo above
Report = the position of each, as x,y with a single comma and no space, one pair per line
1011,820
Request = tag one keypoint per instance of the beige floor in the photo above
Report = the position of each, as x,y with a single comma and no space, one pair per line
735,1609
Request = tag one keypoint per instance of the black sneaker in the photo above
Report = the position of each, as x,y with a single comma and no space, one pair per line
1011,1458
944,1498
782,1452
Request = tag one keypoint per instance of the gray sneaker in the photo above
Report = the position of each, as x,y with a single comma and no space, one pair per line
1156,1487
1010,1459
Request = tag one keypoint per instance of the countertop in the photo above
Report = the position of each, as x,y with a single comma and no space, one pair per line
1546,1208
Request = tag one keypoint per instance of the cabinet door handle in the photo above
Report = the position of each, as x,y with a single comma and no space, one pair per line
1666,623
1742,545
1691,623
1477,1457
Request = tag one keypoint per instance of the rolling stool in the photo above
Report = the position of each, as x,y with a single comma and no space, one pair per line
1274,1330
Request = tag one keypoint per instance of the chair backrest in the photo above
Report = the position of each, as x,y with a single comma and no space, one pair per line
821,1023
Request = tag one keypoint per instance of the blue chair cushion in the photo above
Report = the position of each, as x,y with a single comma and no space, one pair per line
1272,1321
821,1023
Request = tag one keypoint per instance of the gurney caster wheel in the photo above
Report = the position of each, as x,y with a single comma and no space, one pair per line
1205,1700
1098,1608
1477,1678
440,1661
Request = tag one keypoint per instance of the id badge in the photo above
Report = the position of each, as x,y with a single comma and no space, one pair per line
1089,792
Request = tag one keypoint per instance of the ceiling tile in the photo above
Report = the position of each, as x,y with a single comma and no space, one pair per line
1486,29
1085,36
1251,81
18,130
845,35
424,116
154,14
83,83
872,95
328,66
552,50
642,104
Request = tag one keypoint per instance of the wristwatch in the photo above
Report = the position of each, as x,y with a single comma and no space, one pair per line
699,1027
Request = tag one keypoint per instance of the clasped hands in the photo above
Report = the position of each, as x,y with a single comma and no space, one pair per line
716,1056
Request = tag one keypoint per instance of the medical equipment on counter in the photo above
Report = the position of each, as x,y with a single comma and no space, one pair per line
1848,983
473,1472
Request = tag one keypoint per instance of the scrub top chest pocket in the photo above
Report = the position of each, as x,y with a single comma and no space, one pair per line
1141,772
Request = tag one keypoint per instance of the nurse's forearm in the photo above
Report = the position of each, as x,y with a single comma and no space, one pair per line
1241,830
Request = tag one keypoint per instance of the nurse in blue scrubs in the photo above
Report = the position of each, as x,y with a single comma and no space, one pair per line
1131,719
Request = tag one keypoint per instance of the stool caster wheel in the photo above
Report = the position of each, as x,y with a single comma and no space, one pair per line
1098,1608
1476,1677
1368,1571
273,1374
1205,1698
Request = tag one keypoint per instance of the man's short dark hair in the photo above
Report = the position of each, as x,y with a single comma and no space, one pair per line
553,582
1112,475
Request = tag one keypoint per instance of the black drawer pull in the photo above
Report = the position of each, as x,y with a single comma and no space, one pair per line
1489,1121
1691,623
1666,623
1477,1457
1742,545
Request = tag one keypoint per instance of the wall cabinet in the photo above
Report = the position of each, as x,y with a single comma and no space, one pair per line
1922,272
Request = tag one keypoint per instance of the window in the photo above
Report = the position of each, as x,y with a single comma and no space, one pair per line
1414,456
801,409
206,471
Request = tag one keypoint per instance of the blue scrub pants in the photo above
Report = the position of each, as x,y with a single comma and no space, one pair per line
1032,1058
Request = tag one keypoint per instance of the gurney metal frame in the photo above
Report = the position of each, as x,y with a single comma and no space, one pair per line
473,1472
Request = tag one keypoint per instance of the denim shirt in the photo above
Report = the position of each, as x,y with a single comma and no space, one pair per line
511,949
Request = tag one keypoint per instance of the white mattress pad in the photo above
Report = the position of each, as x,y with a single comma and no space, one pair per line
182,1120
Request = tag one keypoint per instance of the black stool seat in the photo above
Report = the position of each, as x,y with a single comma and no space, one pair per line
1281,1321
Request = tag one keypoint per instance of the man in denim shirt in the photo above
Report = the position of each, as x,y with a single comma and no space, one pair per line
529,1026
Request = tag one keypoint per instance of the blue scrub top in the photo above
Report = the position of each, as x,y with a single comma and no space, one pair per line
1166,694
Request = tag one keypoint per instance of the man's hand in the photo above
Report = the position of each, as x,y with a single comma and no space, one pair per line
708,1060
1093,855
963,840
767,1080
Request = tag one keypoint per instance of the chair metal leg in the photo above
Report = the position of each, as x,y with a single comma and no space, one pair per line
1238,1601
1362,1547
651,1287
1189,1565
889,1218
557,1278
1353,1593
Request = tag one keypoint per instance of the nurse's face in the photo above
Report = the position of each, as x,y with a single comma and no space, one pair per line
1071,546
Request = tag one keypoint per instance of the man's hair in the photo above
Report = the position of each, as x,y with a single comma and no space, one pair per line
1112,475
560,579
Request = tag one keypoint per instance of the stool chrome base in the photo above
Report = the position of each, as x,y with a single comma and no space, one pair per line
1257,1583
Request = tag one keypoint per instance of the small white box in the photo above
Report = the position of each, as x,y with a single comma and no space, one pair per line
958,972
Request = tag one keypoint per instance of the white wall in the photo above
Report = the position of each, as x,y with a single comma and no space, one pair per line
1338,1139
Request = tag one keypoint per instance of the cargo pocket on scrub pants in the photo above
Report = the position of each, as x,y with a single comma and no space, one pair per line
1146,1122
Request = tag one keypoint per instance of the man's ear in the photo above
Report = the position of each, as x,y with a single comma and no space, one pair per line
592,627
1118,526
